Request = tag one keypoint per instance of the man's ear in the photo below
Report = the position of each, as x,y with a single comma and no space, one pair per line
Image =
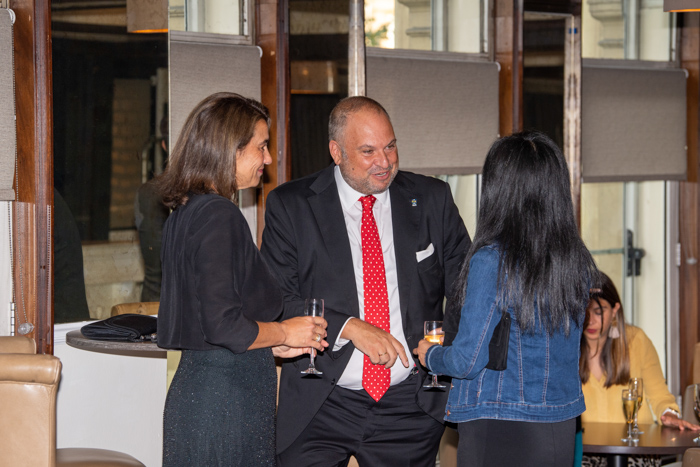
336,153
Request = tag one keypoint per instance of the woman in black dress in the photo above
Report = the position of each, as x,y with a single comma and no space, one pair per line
218,299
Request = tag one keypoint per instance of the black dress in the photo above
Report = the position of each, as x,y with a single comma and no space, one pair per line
220,409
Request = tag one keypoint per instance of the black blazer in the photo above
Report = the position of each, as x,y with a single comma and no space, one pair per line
305,243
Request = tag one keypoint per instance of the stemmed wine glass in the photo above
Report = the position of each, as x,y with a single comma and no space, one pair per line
432,332
629,409
637,385
313,307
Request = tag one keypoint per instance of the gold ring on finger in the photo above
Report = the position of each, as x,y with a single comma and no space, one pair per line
317,338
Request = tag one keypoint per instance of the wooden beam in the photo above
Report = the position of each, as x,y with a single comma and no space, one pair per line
508,26
273,38
33,220
689,220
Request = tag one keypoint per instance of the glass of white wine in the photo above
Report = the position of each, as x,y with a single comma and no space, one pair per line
432,332
629,409
637,385
313,307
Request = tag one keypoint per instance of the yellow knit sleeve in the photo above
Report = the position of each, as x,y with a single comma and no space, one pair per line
645,362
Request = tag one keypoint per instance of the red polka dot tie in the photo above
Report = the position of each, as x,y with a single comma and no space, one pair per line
375,378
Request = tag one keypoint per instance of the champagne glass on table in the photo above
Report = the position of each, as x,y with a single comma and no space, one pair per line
432,332
313,307
637,385
629,409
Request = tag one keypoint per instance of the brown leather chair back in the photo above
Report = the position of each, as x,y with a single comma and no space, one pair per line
17,344
688,404
28,387
691,457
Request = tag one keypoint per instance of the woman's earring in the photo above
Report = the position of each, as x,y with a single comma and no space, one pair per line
614,333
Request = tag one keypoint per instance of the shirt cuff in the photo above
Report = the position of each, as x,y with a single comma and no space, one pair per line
340,342
670,410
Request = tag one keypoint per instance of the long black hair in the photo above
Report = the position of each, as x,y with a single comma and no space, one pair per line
527,213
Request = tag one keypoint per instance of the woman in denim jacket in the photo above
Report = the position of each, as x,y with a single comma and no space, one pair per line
527,263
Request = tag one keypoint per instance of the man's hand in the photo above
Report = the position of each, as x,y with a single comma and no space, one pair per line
381,347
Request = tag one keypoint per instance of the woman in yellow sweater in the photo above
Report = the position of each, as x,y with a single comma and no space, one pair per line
612,352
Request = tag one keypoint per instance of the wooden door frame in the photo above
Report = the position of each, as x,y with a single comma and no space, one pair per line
33,222
689,223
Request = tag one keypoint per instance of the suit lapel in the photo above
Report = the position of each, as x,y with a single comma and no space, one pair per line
406,212
328,213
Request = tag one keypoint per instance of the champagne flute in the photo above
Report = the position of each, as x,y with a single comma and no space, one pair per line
629,409
432,332
313,307
637,385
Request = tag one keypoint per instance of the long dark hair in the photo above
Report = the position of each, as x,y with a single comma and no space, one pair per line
526,211
204,158
614,354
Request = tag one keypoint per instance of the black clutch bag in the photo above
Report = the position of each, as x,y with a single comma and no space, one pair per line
498,346
125,328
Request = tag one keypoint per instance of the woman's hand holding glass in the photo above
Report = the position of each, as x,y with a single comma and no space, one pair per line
433,335
422,349
301,334
313,307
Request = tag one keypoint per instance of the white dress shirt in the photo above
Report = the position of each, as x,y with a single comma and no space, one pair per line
352,212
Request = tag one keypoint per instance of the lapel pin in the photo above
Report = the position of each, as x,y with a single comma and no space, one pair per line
414,202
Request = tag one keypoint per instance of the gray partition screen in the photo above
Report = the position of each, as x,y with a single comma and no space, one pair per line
443,106
8,127
200,69
633,124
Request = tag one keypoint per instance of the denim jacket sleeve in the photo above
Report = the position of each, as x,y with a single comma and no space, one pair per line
469,353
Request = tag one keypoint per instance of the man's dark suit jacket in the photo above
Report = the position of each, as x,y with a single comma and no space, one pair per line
305,243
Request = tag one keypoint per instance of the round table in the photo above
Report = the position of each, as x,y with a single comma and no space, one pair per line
134,349
606,439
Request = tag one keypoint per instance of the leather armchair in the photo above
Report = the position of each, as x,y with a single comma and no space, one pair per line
28,388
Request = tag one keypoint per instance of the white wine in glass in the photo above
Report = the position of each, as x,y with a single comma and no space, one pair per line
637,385
629,410
432,332
313,307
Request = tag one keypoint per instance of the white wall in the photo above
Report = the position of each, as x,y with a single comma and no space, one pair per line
5,275
110,401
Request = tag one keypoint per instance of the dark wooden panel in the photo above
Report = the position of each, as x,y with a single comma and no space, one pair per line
508,21
35,169
571,7
272,36
690,204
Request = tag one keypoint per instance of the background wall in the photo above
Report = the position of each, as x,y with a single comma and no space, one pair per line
5,279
